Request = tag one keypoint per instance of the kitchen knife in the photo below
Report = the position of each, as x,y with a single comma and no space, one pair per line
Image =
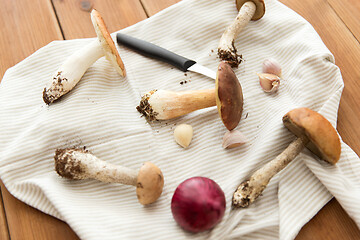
154,51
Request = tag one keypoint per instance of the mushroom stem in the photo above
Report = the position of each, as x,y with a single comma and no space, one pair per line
80,61
71,71
248,191
163,105
80,164
244,16
226,49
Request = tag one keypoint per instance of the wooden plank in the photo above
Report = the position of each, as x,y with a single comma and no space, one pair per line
35,25
342,226
329,215
26,222
330,223
346,50
4,232
75,19
32,25
152,7
349,12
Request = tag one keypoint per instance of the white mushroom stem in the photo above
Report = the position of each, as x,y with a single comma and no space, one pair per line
80,164
226,48
249,190
71,71
76,65
244,16
162,104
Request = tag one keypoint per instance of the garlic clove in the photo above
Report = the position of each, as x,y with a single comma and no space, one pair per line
233,138
269,82
183,134
271,66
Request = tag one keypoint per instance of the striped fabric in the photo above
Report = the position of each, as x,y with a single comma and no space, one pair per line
100,114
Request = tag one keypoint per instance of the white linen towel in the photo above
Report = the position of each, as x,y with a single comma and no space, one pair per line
100,114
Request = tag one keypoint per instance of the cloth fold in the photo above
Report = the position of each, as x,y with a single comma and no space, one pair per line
99,114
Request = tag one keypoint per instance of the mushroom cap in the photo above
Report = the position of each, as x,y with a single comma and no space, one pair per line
229,97
107,43
260,8
323,138
150,182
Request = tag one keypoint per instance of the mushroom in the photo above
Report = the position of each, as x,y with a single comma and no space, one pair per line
313,131
164,104
248,10
227,95
74,67
79,164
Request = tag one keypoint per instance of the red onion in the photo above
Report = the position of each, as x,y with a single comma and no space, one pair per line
198,204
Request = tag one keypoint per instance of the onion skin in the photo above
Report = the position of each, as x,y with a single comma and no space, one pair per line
198,204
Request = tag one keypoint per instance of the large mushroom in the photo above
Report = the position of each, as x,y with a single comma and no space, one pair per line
248,10
79,164
227,95
74,67
313,131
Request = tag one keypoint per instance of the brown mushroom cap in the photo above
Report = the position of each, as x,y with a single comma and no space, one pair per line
323,138
107,43
150,182
229,97
260,8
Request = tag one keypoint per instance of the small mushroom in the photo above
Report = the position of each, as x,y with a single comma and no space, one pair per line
248,10
74,67
227,95
79,164
313,131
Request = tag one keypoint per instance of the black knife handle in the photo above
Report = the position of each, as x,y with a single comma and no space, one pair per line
151,50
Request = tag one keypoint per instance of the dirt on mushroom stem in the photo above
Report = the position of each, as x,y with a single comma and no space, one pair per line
230,56
250,190
145,108
65,166
56,91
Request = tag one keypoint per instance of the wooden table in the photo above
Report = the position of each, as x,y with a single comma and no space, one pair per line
27,25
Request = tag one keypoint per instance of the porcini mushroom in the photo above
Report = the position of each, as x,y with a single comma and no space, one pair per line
227,95
164,105
80,164
313,131
74,67
248,10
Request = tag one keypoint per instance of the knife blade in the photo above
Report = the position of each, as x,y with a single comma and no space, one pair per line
151,50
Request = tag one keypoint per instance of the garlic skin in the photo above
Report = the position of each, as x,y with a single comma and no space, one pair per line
183,134
270,83
233,138
271,66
